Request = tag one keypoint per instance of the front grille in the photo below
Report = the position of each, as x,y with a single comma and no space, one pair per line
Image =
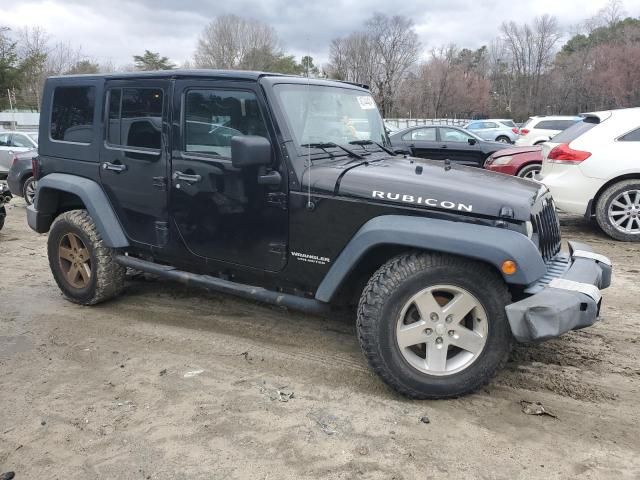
547,227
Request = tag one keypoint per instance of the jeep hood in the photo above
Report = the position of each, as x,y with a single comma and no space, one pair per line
427,184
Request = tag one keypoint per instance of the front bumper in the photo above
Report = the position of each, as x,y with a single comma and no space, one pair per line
566,298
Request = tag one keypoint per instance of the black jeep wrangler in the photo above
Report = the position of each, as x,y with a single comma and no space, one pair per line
284,189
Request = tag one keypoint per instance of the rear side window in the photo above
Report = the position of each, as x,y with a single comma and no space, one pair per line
424,134
633,136
508,123
576,130
490,125
554,124
135,117
72,114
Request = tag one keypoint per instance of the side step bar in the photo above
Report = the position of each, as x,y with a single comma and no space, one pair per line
260,294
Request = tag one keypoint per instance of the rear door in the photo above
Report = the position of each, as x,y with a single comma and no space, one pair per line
134,156
422,142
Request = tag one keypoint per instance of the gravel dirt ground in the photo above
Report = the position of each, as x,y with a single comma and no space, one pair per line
168,382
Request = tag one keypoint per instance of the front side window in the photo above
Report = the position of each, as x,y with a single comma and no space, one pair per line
475,126
321,114
453,135
135,117
72,114
213,117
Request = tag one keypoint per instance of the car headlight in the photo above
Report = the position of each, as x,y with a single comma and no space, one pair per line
502,160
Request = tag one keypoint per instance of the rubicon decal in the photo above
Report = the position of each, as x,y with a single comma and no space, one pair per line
431,202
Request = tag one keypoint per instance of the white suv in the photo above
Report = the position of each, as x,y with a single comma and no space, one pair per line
593,168
538,130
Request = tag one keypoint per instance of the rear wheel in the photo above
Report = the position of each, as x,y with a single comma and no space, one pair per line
82,266
503,139
29,190
530,171
433,325
618,211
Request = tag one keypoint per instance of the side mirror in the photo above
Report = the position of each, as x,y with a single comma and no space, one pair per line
472,141
248,150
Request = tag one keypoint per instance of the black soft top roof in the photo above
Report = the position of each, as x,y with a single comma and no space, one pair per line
202,73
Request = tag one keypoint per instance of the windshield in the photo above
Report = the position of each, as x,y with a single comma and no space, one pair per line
34,137
322,114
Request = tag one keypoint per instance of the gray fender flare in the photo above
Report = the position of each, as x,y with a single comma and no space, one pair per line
93,197
489,244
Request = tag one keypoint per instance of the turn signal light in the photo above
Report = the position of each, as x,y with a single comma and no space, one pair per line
509,267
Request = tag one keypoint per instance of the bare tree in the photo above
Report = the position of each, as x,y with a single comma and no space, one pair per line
530,49
380,56
397,47
33,49
229,40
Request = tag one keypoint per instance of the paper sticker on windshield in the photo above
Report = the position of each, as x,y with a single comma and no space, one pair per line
366,102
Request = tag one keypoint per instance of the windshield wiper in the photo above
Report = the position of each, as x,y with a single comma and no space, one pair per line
325,145
362,143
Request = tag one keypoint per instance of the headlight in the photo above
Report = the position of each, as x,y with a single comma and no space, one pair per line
529,227
502,160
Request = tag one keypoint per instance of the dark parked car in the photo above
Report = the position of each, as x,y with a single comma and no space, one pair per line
304,205
441,143
20,178
524,162
5,196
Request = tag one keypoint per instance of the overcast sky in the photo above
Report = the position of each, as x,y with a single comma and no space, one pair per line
114,30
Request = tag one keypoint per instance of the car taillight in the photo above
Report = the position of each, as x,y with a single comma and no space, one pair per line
34,167
563,153
524,131
515,130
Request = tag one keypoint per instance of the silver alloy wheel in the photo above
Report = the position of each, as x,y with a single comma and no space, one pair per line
442,330
30,191
531,174
624,212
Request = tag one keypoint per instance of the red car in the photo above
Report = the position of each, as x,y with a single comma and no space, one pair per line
523,162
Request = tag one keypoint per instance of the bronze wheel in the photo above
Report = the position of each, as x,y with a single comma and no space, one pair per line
75,260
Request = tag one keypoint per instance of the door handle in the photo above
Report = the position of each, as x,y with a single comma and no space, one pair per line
185,177
114,167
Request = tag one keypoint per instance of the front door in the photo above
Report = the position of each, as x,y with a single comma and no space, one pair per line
133,158
458,149
223,213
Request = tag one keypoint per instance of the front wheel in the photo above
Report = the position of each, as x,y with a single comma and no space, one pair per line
82,266
433,325
530,171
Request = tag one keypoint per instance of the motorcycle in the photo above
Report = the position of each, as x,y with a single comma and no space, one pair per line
5,196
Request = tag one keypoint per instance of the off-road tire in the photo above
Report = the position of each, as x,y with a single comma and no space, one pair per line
107,277
390,288
25,187
602,210
526,170
503,139
2,217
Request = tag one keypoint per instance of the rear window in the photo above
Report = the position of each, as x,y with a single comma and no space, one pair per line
633,136
72,114
554,124
135,117
576,130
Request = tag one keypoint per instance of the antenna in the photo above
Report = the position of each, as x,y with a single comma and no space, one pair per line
310,205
